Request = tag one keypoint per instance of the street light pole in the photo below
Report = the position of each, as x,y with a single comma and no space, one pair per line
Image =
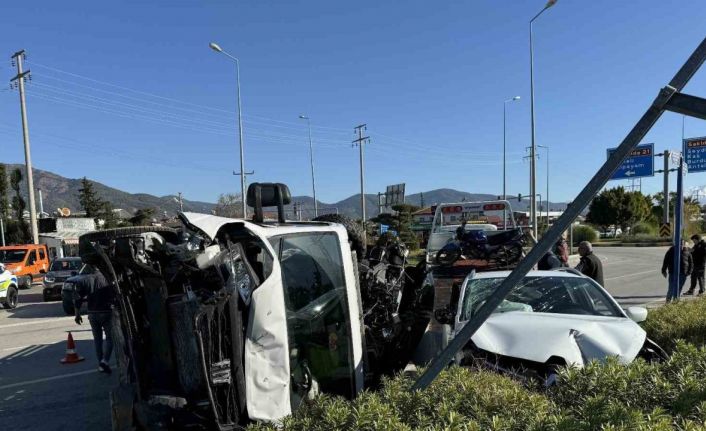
504,140
311,161
547,195
533,151
217,48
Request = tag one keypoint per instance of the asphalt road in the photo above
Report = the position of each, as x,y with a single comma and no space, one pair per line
36,390
632,274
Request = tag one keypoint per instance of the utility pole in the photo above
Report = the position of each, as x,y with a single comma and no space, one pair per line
311,162
181,202
17,58
665,190
243,188
362,140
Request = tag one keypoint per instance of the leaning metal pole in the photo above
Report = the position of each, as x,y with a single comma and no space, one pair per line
689,105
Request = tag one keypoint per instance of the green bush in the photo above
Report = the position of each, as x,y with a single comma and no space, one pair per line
643,228
683,320
584,233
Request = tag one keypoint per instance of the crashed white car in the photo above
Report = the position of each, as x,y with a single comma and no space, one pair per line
552,318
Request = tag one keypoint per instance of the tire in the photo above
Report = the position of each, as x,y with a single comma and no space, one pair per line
24,281
356,235
448,255
68,307
11,299
89,255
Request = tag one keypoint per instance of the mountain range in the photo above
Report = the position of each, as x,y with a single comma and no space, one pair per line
61,192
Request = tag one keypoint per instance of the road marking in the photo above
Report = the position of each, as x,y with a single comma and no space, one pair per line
37,322
633,274
48,379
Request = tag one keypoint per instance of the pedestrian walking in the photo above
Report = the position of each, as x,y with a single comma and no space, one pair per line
590,265
98,293
549,261
561,250
685,268
698,256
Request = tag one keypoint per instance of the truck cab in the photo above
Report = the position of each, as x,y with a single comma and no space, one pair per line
493,217
28,262
220,322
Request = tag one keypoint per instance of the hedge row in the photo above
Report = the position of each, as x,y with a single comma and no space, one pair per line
608,396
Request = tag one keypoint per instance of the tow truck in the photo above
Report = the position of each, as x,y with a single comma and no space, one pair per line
220,322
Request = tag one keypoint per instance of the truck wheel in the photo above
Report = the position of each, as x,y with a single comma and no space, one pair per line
68,306
11,299
24,282
356,235
89,255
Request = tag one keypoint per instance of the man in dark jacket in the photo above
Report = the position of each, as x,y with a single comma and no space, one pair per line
685,268
549,261
590,265
698,255
98,292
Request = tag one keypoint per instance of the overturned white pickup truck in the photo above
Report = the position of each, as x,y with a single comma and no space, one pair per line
221,321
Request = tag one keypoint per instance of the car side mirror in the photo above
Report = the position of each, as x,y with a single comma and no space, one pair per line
42,271
444,316
636,314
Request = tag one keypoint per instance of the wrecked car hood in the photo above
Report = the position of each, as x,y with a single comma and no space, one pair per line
207,223
576,338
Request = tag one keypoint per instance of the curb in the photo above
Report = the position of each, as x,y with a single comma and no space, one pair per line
633,244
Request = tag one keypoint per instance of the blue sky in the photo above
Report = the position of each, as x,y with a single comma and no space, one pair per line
129,94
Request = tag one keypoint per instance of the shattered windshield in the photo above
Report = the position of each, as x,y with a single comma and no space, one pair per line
560,295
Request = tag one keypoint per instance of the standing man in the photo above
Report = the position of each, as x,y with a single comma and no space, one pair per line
549,261
95,289
590,265
685,268
561,250
698,255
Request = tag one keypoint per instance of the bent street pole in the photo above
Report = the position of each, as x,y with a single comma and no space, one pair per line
661,103
675,285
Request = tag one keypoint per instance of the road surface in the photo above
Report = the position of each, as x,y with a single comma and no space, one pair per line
37,392
633,274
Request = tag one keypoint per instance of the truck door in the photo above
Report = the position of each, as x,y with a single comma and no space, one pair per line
31,264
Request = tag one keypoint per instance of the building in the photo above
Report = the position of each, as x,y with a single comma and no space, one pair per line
61,234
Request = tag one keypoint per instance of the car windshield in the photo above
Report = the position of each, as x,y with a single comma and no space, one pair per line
12,256
66,265
560,295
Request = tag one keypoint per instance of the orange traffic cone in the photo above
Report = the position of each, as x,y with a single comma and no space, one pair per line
71,356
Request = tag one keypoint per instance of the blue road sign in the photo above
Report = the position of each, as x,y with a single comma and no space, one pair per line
384,228
695,154
640,163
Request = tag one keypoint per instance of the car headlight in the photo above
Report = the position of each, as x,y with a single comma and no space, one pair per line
49,279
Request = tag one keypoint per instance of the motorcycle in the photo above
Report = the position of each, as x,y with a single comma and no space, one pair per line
504,248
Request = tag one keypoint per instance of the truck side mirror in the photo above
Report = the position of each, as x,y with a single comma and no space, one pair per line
444,316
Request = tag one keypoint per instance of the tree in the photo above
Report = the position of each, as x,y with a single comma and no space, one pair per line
142,217
20,227
4,201
619,207
401,222
94,206
229,205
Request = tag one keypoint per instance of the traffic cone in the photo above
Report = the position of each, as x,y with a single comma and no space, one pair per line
71,356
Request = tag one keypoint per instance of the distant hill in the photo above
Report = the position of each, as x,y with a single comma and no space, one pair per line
59,192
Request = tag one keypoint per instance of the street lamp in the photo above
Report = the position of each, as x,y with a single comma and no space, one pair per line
311,161
504,135
533,152
217,48
547,195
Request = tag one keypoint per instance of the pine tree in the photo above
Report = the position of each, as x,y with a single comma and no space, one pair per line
4,202
89,200
21,235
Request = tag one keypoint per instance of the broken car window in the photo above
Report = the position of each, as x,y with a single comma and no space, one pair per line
560,295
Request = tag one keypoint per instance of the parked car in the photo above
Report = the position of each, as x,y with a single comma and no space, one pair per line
8,288
552,318
60,269
28,262
67,289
